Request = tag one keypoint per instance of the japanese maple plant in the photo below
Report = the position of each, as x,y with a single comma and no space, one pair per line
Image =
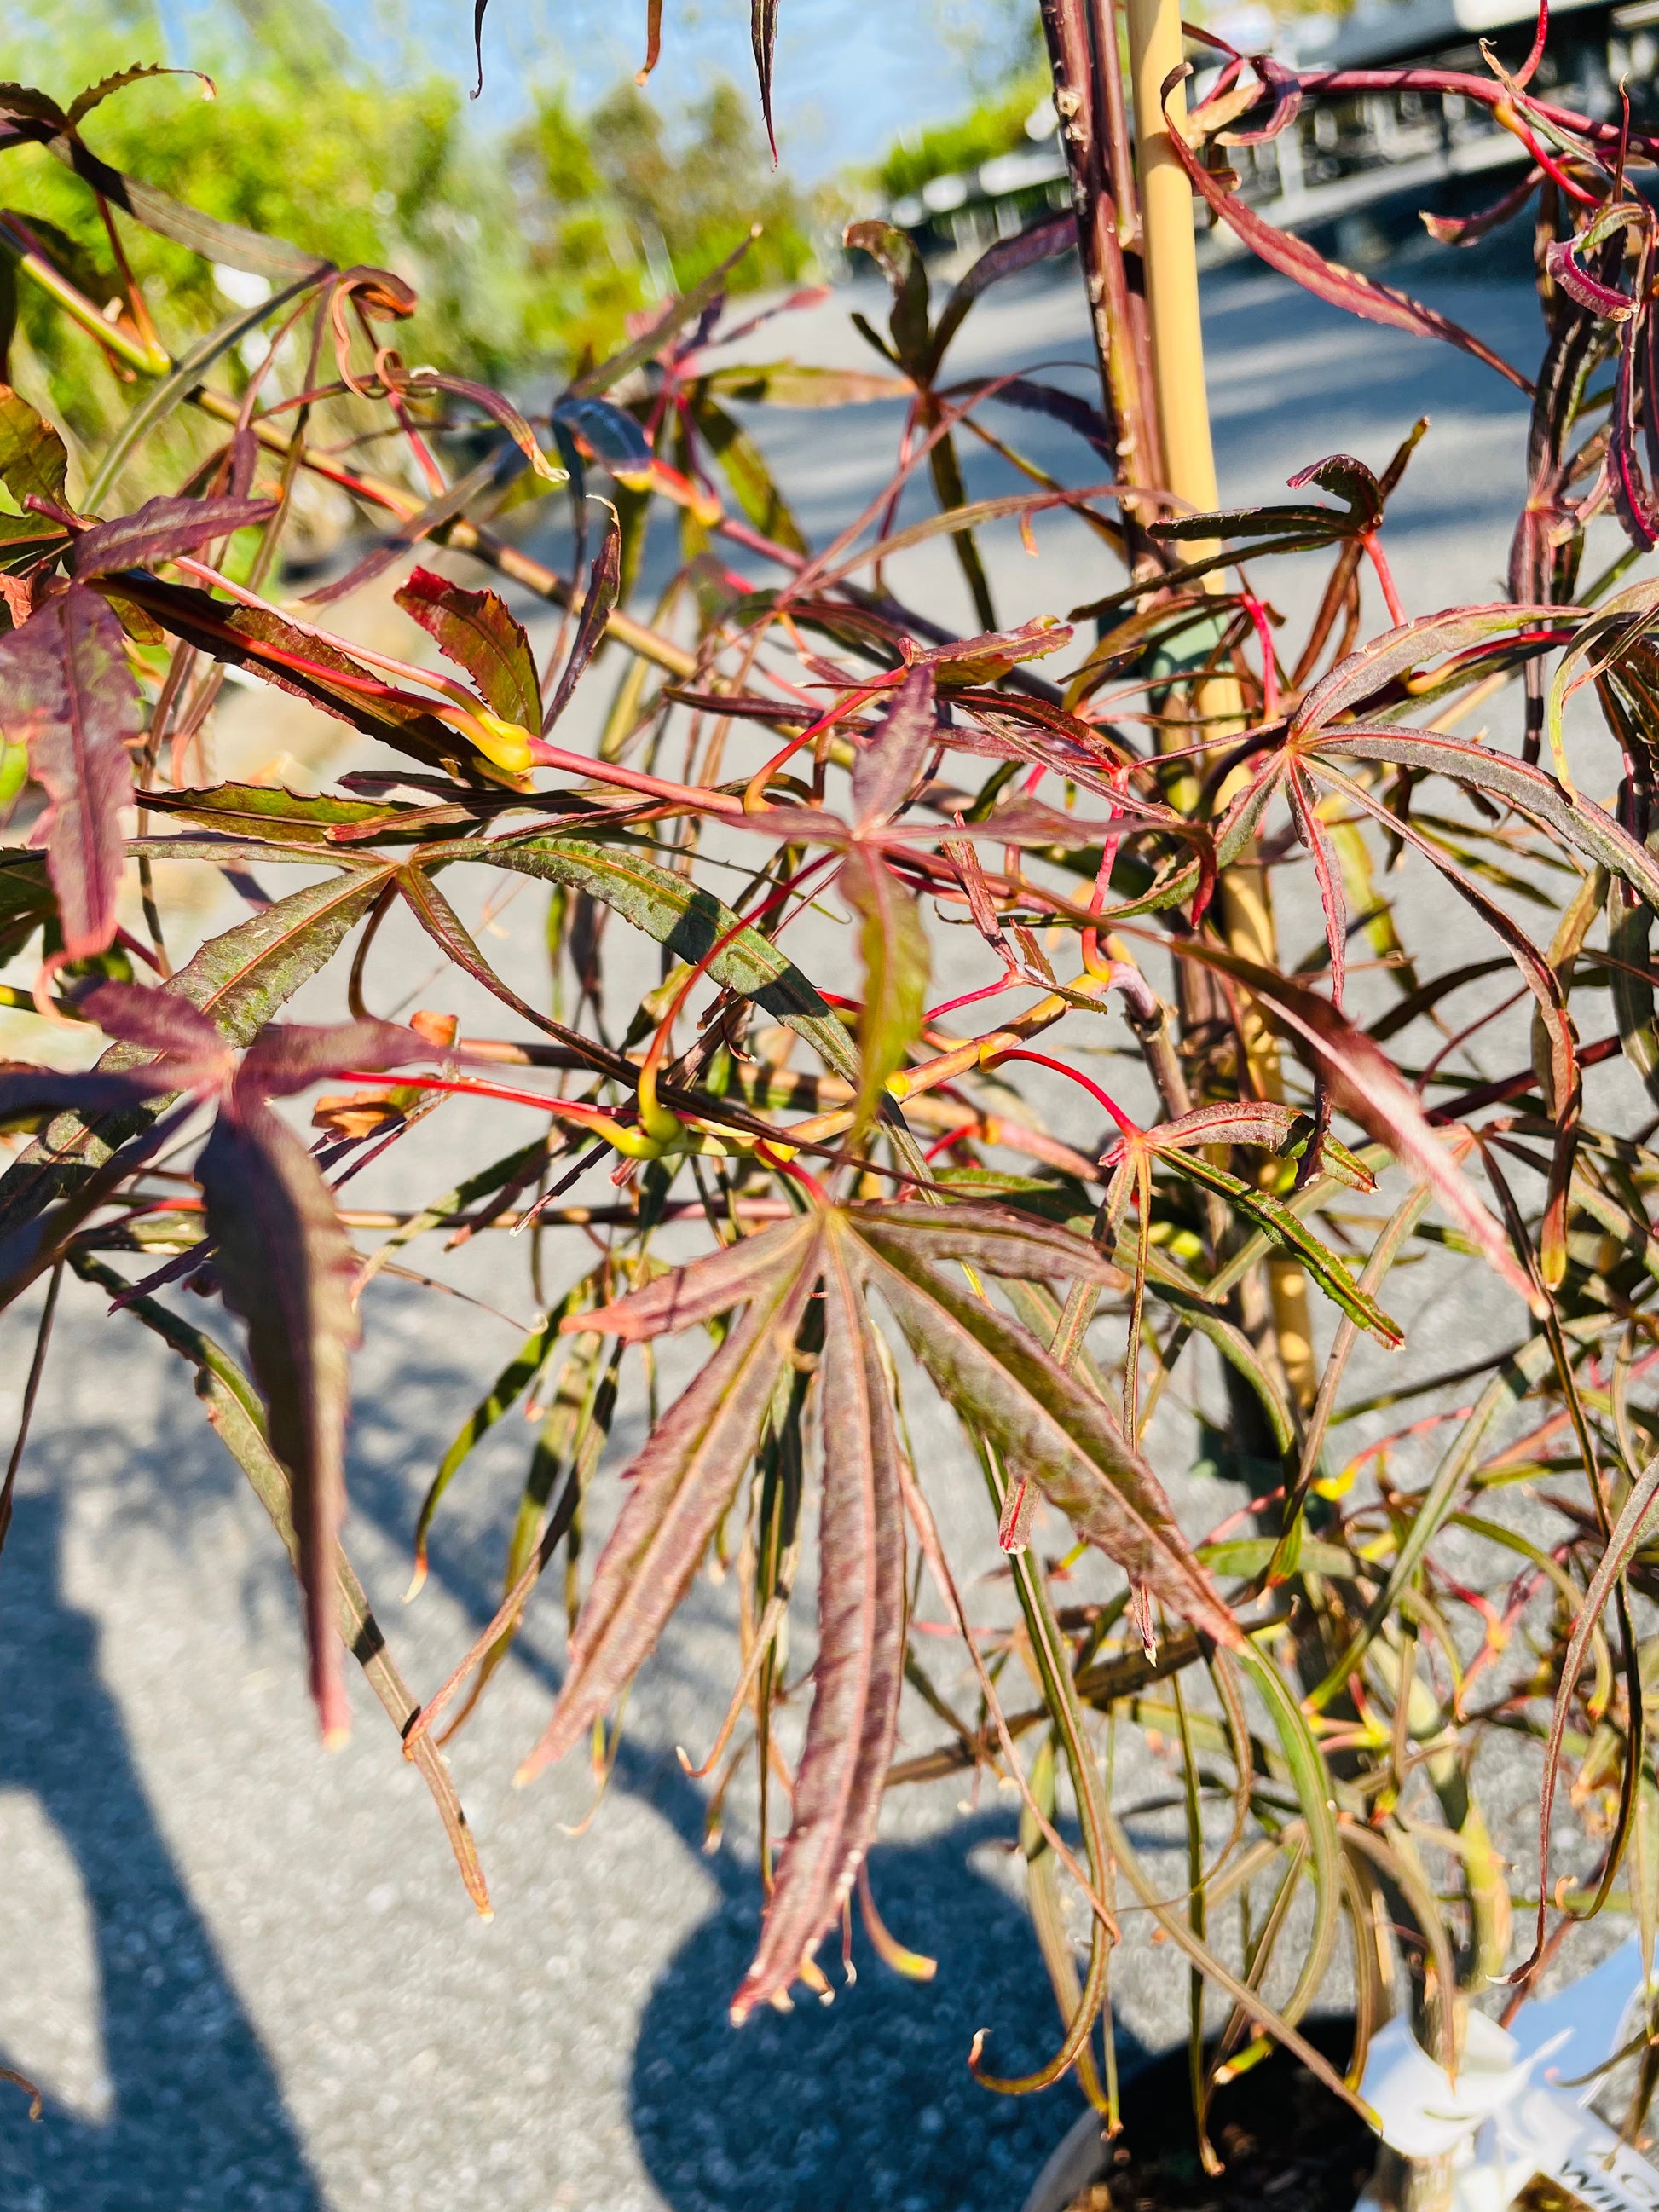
877,1190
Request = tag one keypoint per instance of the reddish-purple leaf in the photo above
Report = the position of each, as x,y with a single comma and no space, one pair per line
499,408
1049,1428
603,583
887,764
676,1490
1364,1082
287,1056
860,1666
477,633
1327,280
1056,234
993,1238
286,1266
1575,281
698,1293
1365,672
1304,810
25,1090
157,1021
160,529
66,691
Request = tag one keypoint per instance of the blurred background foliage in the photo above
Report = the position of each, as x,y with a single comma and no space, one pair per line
529,249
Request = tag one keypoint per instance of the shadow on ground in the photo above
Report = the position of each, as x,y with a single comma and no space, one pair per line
868,2100
197,2121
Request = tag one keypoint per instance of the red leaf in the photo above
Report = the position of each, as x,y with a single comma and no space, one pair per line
475,630
603,583
159,1021
67,692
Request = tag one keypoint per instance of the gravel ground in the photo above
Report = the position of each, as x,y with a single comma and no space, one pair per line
244,1974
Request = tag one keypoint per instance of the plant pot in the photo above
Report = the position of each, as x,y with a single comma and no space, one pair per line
1288,2144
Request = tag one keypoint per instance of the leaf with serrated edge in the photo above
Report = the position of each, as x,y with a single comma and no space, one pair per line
234,1412
1047,1426
993,1238
1366,1085
688,919
859,1666
238,979
286,1265
698,1291
33,457
676,1490
161,528
478,632
67,692
893,755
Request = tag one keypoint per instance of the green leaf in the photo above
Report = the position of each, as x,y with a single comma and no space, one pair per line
897,962
745,471
266,811
688,921
1272,1215
33,457
503,1393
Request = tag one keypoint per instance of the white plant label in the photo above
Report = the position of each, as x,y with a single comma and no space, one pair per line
1519,2106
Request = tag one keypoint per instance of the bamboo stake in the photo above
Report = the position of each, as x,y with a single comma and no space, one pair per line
1177,343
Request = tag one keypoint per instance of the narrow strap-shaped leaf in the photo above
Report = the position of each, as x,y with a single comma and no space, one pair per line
1048,1427
603,583
175,387
160,529
676,1490
1584,825
896,958
234,1412
1397,650
993,1238
1272,1216
893,755
1328,280
699,1292
859,1667
240,979
689,922
285,1265
503,1393
1365,1084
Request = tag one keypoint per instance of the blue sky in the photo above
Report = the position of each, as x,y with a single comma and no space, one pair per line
852,75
